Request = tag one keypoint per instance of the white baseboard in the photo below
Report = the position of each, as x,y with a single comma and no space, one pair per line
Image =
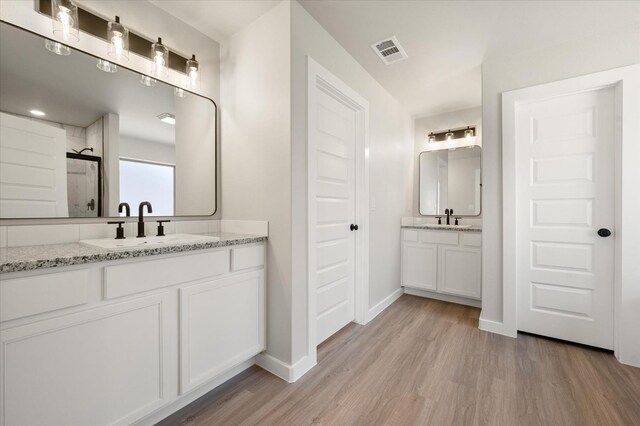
187,399
384,304
287,372
491,326
444,297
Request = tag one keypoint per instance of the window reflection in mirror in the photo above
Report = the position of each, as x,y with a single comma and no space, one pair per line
153,143
450,179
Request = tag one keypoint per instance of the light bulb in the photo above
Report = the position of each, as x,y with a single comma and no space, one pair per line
158,63
193,73
468,134
57,48
106,66
432,137
159,56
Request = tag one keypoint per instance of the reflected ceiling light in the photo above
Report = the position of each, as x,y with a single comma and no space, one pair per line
165,117
106,66
193,72
179,92
468,134
160,58
147,81
37,113
118,37
432,137
65,20
57,48
449,135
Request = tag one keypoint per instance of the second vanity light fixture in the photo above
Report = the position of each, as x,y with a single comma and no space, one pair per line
467,133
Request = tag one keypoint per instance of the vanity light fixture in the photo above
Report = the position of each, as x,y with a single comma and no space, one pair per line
145,80
432,137
106,66
118,37
468,133
160,57
165,117
180,93
193,73
449,135
37,113
65,20
57,48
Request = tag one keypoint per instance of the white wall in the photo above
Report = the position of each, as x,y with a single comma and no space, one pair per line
434,123
527,69
256,148
155,152
391,147
142,18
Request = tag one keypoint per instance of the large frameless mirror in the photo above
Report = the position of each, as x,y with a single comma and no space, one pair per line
76,141
450,179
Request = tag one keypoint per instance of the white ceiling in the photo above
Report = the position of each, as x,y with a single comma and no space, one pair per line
217,19
447,41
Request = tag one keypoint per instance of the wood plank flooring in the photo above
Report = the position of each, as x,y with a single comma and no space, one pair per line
423,362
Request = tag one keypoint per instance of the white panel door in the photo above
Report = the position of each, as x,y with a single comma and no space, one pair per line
334,131
33,169
565,193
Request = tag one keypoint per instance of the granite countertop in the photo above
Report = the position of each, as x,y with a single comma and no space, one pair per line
15,259
443,227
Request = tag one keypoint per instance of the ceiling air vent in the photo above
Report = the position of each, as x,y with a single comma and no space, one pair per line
389,50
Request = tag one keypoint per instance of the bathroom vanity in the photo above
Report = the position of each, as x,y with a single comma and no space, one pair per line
119,336
442,262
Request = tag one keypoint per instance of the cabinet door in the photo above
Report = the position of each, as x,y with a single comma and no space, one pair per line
419,265
222,324
460,271
102,366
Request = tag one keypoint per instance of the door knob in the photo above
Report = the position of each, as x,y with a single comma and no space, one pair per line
604,232
353,227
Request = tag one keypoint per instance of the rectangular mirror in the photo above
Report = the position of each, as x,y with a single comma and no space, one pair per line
75,141
450,179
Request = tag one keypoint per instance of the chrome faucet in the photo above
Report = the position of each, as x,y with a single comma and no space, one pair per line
448,212
141,217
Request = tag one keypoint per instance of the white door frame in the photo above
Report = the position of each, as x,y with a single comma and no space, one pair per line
319,77
626,81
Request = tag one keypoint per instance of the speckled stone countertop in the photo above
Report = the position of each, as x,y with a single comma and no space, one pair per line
15,259
443,227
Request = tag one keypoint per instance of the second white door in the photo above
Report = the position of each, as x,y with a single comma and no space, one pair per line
333,129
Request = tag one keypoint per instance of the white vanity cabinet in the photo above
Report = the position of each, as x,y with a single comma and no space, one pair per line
443,262
127,341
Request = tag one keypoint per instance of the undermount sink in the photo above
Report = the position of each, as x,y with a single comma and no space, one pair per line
436,225
133,242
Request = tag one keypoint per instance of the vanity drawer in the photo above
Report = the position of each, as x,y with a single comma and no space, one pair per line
410,235
21,297
247,257
472,239
440,237
132,278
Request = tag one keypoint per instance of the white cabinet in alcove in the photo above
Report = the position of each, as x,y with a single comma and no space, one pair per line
221,324
460,271
106,365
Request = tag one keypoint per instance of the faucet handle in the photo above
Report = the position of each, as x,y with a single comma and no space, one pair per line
457,218
119,229
160,232
439,220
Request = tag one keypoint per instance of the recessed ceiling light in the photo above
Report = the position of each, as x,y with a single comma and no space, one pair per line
165,117
37,113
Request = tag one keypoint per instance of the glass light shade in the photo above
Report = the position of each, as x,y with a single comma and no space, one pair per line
180,93
145,80
65,20
57,48
468,134
160,58
432,137
118,37
449,135
106,66
193,73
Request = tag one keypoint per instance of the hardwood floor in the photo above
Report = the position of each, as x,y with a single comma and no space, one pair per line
422,362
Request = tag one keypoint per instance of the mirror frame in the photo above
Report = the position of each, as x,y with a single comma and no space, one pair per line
420,186
4,221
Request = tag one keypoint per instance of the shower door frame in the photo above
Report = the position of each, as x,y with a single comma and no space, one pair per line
99,161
